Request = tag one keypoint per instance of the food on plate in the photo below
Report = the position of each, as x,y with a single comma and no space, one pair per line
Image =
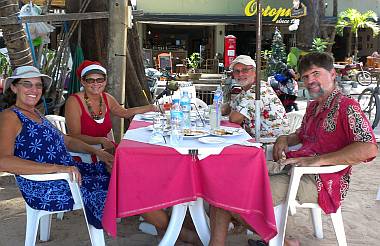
191,133
222,132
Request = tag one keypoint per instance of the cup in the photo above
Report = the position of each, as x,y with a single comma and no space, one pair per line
158,129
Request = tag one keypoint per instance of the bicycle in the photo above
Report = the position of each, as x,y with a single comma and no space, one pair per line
369,101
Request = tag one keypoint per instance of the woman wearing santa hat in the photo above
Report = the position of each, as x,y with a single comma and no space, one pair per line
87,116
88,112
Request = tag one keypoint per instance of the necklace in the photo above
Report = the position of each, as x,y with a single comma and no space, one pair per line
92,113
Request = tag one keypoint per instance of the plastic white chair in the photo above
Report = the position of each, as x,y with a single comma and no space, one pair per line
43,218
290,204
57,121
60,123
295,120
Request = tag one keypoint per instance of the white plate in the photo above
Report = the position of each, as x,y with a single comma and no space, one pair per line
212,140
227,132
196,134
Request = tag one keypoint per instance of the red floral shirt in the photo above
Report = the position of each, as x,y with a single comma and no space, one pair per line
339,123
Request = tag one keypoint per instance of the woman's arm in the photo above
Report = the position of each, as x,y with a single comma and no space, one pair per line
73,122
10,127
76,145
120,111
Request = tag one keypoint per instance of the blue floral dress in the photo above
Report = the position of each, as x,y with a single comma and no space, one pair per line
43,143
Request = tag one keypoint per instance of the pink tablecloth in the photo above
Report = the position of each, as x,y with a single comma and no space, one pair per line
148,177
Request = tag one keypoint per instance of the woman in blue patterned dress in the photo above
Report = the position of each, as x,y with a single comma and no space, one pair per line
31,145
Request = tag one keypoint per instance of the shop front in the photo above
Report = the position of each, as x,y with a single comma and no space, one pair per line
184,27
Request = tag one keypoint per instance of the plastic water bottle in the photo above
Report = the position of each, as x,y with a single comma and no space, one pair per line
217,103
176,118
186,108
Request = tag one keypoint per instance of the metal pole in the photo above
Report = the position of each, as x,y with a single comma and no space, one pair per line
258,70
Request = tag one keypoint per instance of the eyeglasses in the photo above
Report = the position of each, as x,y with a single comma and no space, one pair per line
314,75
97,80
244,70
29,85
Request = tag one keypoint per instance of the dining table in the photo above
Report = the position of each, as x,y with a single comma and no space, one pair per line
230,174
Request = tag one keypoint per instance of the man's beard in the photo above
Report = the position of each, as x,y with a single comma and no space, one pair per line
315,95
244,83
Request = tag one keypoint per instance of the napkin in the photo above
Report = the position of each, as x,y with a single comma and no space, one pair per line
250,144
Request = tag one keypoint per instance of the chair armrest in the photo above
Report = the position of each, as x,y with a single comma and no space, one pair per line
319,170
48,176
75,191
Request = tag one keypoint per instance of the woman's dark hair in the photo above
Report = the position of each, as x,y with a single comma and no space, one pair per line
318,59
10,96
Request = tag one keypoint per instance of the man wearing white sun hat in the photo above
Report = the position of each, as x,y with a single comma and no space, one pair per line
242,109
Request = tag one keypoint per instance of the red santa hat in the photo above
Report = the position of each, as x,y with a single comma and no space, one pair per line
90,67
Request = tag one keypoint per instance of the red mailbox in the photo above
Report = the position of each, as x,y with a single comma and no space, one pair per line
229,50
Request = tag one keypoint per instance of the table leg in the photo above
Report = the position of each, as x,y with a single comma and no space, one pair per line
199,217
176,220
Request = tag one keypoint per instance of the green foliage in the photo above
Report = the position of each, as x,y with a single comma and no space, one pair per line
5,66
293,56
194,60
265,54
319,45
47,61
354,19
277,60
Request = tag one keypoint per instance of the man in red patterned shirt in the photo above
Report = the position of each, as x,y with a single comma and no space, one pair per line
334,131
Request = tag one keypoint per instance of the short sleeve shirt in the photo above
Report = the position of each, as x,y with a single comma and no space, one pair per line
272,116
339,123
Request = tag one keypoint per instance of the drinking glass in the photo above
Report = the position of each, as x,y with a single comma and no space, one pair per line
159,124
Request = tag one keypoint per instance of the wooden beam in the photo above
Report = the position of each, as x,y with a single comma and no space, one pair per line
117,51
54,17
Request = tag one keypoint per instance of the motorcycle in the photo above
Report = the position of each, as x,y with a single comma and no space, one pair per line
286,88
362,76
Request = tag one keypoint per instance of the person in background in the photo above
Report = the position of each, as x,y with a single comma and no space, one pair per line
334,131
88,113
30,144
242,109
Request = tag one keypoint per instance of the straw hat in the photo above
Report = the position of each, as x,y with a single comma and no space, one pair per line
25,72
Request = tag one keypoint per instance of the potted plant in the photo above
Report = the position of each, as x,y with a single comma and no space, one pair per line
194,62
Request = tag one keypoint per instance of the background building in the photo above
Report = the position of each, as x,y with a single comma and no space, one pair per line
186,26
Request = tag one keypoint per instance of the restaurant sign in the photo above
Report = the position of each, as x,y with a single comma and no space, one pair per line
279,15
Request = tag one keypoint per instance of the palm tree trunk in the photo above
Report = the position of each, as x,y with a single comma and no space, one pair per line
335,8
349,44
309,27
356,46
14,36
